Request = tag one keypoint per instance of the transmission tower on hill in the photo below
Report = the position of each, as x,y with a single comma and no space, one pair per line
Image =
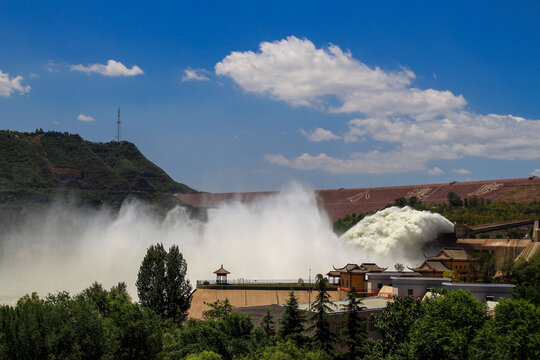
118,127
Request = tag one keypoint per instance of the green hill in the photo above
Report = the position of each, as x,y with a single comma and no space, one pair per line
35,167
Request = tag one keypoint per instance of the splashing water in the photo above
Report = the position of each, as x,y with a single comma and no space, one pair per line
397,232
280,236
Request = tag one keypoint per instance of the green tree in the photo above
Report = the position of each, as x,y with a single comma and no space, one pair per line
230,337
95,324
512,333
161,283
178,288
23,329
526,275
454,199
286,350
393,325
486,266
400,202
448,326
268,325
205,355
355,329
322,336
219,309
292,321
399,267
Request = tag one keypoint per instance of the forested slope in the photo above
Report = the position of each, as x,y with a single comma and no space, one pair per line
35,167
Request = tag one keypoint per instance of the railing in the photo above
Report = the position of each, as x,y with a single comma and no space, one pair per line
253,282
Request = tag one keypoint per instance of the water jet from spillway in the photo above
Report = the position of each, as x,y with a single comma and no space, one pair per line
397,232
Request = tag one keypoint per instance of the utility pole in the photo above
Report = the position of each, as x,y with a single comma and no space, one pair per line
309,291
118,127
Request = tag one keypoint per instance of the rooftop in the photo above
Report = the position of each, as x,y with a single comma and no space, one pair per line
221,271
420,279
454,253
479,285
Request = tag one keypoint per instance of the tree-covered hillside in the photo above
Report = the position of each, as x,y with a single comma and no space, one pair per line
34,167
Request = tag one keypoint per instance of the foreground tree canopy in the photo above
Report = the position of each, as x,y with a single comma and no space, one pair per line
107,324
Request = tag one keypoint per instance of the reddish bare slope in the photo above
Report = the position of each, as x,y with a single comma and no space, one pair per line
341,202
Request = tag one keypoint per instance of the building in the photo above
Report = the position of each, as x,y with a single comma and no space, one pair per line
353,275
375,281
221,275
415,286
456,260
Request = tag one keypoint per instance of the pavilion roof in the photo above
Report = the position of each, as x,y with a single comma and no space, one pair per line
450,253
431,265
372,267
221,271
359,269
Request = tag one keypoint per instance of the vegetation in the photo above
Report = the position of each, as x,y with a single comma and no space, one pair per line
344,224
41,166
268,325
454,325
101,324
95,324
292,323
323,338
448,325
526,276
161,283
355,330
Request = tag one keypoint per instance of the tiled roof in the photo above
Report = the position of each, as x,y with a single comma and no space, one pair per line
437,266
456,253
358,269
221,271
450,253
431,265
372,267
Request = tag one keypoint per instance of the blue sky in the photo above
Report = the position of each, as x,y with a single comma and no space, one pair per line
236,96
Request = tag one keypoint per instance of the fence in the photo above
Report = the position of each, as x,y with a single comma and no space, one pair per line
254,282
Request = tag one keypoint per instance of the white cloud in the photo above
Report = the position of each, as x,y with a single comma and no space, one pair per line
536,172
461,171
9,85
319,135
435,171
415,143
295,71
373,162
113,68
54,67
414,125
195,75
86,118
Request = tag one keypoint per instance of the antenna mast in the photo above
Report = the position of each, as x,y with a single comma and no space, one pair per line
118,127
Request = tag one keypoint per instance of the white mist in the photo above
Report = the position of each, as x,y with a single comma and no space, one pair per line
279,236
